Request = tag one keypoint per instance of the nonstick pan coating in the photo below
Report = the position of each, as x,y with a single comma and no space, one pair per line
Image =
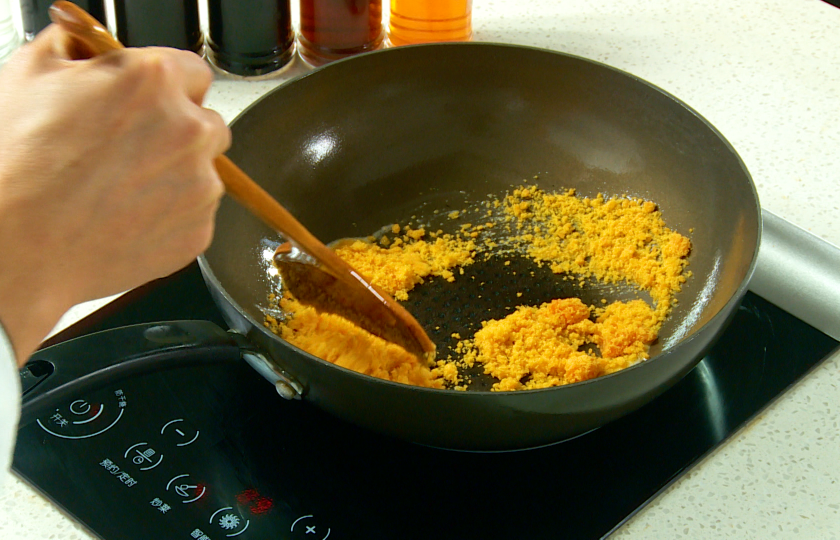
382,137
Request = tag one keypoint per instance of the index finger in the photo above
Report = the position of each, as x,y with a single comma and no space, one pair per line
192,71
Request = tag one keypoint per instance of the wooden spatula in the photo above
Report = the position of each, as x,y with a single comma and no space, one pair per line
364,303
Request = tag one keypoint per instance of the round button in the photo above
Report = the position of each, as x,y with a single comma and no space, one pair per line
179,432
80,407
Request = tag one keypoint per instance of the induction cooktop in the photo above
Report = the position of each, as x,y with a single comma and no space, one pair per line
204,448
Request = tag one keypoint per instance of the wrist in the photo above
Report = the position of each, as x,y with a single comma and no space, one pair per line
33,297
27,318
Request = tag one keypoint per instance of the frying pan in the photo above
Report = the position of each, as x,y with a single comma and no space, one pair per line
390,136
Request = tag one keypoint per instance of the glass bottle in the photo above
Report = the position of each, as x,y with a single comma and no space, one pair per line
36,14
165,23
334,29
429,21
250,38
9,37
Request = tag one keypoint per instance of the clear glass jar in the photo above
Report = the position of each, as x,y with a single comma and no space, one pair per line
36,14
429,21
9,37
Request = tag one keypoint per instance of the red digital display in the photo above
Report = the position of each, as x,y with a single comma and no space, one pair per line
255,502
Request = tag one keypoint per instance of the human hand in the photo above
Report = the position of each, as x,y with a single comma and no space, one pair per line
106,176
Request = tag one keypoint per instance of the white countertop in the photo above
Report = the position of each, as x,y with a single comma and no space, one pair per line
766,73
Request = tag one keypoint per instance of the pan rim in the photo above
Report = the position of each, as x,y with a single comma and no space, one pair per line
715,320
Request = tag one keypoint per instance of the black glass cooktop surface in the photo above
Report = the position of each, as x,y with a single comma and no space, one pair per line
208,450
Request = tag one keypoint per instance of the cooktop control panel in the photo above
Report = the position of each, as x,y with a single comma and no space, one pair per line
207,450
164,452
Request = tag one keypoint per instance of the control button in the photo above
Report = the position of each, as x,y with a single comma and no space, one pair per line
185,488
178,431
83,418
229,521
144,455
305,526
80,407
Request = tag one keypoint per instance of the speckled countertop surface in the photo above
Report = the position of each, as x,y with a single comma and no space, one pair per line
766,73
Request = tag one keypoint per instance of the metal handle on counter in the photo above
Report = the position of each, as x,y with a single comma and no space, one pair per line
800,273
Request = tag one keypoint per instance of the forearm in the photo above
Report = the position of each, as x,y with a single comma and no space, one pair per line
27,317
32,295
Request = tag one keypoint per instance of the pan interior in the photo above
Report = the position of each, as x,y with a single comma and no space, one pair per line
383,137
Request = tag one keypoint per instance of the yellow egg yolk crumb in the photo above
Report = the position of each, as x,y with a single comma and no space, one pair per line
615,240
337,340
618,240
539,347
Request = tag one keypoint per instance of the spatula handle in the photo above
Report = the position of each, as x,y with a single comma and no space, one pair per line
86,36
252,196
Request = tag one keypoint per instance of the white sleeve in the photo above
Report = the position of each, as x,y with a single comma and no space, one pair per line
9,402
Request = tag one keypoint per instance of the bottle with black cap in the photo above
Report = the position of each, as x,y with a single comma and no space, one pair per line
250,38
165,23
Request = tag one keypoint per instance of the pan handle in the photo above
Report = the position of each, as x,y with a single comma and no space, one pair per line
56,372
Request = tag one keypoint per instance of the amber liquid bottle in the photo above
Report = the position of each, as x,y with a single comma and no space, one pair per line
334,29
429,21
